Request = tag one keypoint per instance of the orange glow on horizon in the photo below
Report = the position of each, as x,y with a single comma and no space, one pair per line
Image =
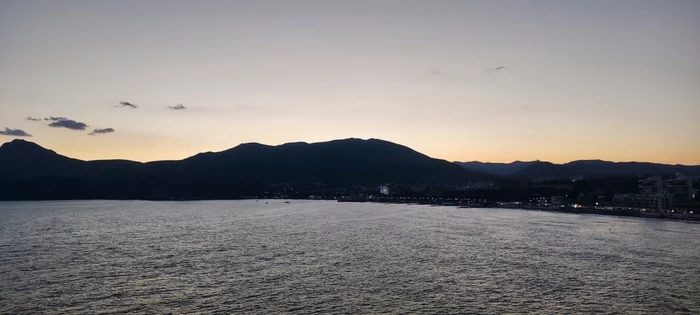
155,149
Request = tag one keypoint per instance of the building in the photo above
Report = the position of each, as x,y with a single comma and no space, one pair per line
651,185
675,194
623,200
656,202
558,200
681,187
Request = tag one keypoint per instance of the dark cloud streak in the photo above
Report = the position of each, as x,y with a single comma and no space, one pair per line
33,119
68,124
99,131
55,118
127,104
14,133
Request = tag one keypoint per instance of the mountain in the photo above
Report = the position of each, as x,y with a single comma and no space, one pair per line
28,171
495,168
16,156
540,169
605,167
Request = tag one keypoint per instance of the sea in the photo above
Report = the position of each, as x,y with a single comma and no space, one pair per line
325,257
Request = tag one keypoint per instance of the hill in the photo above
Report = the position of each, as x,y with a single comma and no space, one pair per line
540,169
28,171
495,168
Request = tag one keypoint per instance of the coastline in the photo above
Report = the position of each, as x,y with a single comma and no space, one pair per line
636,213
687,217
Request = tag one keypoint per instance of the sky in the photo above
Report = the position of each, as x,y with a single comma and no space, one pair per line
458,80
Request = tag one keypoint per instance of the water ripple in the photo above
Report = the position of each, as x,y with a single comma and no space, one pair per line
109,257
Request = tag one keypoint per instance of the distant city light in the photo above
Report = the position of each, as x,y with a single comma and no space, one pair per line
384,190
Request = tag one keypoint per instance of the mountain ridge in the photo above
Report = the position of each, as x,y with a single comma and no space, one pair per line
590,167
29,171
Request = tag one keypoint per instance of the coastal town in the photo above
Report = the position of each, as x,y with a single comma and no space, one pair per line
673,196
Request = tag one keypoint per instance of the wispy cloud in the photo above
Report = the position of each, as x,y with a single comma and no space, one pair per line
126,104
14,133
177,107
99,131
33,119
68,124
55,118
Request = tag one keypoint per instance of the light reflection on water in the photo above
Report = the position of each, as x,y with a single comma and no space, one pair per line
327,257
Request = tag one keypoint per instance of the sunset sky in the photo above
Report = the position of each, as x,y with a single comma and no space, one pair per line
458,80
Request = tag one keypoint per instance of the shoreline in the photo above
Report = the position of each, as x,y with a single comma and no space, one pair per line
635,213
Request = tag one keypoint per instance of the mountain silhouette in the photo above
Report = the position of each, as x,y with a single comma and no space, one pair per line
495,168
541,169
21,159
28,171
